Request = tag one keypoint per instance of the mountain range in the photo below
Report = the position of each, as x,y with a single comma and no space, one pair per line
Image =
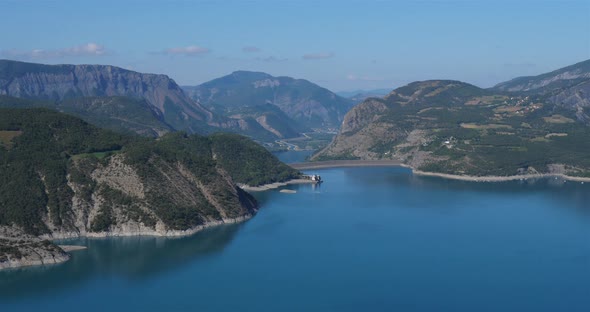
283,106
307,104
61,176
529,125
167,102
153,105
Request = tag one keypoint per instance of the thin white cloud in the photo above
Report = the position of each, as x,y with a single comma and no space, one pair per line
186,51
89,49
318,56
250,49
270,59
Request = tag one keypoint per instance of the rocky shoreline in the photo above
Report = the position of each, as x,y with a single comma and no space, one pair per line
500,178
266,187
41,253
346,163
33,251
19,249
395,163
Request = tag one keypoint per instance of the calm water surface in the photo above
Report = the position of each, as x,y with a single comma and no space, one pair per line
368,239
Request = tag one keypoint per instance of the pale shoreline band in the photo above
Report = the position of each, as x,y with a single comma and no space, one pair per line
395,163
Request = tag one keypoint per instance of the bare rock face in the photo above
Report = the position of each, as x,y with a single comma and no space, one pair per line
576,98
114,198
19,249
59,82
568,87
362,115
360,131
120,176
563,77
125,203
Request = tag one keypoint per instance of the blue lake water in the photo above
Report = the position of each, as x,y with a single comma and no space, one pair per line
368,239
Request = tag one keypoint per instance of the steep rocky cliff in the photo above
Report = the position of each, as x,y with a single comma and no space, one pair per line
61,82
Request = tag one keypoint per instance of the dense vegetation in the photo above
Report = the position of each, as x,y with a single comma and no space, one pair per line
41,149
33,170
121,114
249,163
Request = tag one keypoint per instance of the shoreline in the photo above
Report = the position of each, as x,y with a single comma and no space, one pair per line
500,178
395,163
152,233
68,248
346,163
20,263
270,186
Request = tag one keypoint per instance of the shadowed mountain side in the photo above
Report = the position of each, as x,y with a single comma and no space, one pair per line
306,103
121,114
63,82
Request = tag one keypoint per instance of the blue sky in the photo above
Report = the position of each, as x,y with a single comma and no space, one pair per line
341,45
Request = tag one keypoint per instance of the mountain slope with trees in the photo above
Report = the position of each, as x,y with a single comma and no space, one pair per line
306,103
61,177
455,128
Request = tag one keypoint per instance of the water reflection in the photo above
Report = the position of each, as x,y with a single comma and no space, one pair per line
129,257
573,195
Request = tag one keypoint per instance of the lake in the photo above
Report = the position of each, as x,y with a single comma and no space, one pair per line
368,239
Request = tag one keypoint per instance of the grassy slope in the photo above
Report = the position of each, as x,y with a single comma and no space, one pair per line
487,133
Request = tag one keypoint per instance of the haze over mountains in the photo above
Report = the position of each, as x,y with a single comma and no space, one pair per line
358,96
527,125
306,103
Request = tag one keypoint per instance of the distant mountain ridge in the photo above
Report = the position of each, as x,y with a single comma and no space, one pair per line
563,77
63,82
567,87
304,102
152,104
361,95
